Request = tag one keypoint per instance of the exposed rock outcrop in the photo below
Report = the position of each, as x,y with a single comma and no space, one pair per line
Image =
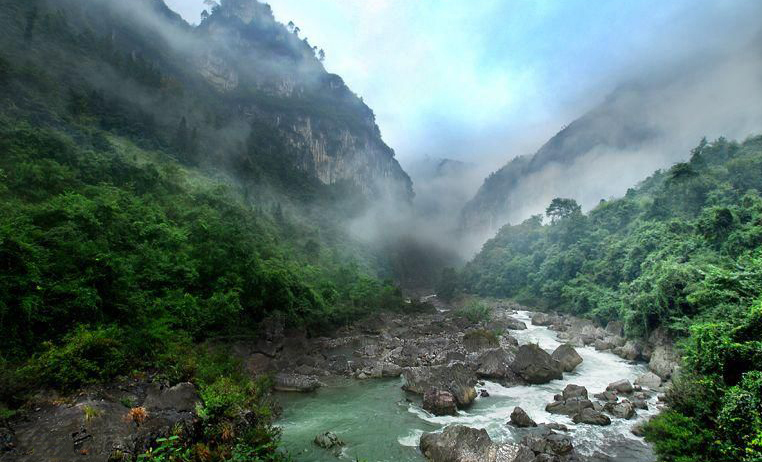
591,417
295,382
439,402
649,380
496,364
567,356
458,443
535,365
519,418
456,377
621,387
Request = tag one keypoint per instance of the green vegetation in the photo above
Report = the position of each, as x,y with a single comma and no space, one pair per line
127,245
680,251
475,312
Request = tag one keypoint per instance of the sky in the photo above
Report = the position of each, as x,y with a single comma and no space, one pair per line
486,80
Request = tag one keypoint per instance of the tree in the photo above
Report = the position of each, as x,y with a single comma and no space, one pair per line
561,208
321,55
204,15
291,26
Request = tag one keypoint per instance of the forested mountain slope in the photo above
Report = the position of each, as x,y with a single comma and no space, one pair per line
163,190
681,251
240,92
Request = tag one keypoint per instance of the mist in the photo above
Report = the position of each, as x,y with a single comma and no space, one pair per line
651,120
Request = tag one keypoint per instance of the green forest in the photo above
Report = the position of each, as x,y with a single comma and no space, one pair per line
681,250
127,247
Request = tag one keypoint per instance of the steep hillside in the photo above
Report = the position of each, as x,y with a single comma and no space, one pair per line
640,127
240,92
678,254
166,191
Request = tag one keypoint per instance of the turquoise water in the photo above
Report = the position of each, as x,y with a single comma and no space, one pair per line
379,421
371,417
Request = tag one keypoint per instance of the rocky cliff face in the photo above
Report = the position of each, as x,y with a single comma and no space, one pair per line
277,80
254,95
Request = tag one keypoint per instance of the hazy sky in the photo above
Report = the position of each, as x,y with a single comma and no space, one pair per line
473,77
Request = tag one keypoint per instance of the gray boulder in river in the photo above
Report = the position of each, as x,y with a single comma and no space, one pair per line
295,382
535,365
439,402
519,418
495,364
591,417
567,356
328,440
456,377
458,443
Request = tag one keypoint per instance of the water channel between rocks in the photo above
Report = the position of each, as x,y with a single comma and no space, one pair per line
381,422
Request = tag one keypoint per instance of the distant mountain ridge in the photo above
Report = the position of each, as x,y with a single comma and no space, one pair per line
643,125
611,125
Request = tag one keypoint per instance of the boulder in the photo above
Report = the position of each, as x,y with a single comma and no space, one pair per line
607,396
457,443
603,345
630,351
181,398
495,364
623,410
505,322
638,429
621,387
535,365
456,377
515,324
664,361
549,443
519,418
649,380
439,402
477,340
295,382
543,319
570,406
591,417
640,404
574,391
390,370
567,356
328,440
615,328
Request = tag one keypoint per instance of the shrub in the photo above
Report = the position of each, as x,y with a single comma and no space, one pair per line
86,355
223,398
475,312
677,438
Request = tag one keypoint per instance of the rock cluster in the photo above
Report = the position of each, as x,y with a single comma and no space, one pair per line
458,443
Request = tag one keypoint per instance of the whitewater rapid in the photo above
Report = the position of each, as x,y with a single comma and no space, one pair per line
379,422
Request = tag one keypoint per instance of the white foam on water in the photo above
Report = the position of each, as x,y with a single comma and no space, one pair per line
597,370
411,439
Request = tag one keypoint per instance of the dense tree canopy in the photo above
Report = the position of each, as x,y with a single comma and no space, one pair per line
682,251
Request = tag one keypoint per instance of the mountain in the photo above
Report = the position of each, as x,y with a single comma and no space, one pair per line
677,257
240,93
612,125
639,127
166,191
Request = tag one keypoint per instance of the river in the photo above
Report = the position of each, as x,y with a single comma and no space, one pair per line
380,422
